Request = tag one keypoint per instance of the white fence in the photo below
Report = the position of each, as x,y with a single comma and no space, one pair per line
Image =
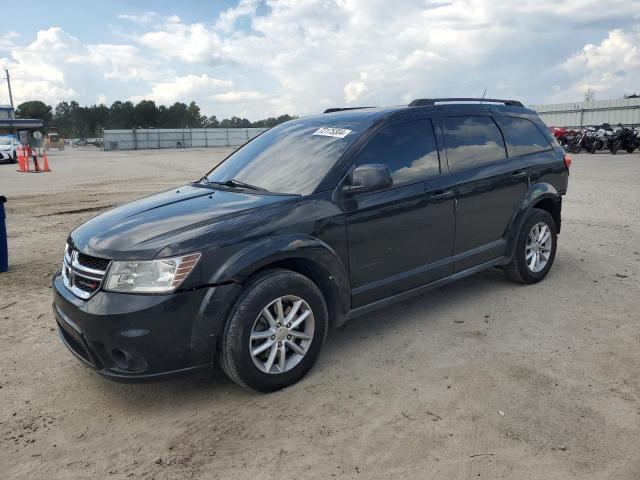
151,138
596,112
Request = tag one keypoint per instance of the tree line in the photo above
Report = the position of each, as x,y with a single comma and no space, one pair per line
74,121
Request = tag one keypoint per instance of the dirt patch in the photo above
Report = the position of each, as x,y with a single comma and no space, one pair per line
480,379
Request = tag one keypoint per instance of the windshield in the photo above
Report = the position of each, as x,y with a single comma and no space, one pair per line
290,158
5,141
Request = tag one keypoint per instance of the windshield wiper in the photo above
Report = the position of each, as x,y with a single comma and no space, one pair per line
233,183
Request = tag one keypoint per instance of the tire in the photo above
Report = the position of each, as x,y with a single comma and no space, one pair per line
616,146
15,157
630,150
576,148
595,146
235,345
518,269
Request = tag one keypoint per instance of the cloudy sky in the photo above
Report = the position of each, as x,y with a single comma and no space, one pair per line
257,58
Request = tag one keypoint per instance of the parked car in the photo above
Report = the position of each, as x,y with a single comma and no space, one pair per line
311,223
9,146
79,142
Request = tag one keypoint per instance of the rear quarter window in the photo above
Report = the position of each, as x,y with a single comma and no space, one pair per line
523,136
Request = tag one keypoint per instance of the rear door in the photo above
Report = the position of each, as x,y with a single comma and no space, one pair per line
401,237
490,186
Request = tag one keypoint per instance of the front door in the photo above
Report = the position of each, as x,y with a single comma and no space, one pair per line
401,237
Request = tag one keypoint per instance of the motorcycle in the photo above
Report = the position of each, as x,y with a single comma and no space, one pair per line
601,138
624,139
583,140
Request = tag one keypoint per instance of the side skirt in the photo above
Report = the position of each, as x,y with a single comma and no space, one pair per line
423,288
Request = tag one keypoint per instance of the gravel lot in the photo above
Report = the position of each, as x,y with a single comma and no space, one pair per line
480,379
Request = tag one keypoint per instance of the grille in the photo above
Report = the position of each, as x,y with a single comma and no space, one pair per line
82,274
92,262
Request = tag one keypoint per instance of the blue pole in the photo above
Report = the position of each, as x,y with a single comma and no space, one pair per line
4,249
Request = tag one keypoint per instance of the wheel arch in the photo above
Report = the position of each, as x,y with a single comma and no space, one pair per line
303,254
540,195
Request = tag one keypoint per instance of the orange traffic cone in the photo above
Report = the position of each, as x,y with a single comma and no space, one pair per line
24,164
45,161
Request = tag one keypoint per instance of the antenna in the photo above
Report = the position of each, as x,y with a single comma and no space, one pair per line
483,94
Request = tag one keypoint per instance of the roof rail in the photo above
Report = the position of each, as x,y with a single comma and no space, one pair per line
342,109
422,102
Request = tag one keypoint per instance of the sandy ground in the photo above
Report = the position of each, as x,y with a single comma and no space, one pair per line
480,379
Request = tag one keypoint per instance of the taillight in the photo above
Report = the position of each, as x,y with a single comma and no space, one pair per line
567,160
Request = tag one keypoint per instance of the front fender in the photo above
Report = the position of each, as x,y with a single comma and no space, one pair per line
536,193
276,248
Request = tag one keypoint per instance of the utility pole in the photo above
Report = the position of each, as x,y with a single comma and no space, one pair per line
6,70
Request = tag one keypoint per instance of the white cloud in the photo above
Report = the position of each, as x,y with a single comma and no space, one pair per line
191,43
329,53
354,90
610,67
185,89
239,96
301,57
228,18
57,66
143,18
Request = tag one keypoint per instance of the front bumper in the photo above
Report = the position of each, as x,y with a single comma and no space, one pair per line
137,338
6,156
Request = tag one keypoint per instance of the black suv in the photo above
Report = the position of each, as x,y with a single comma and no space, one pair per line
309,224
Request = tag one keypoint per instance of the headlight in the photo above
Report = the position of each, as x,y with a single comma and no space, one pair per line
151,276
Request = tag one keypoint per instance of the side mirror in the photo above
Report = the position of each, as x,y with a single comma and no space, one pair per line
369,177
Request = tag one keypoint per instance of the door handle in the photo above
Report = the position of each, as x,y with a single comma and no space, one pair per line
518,174
440,195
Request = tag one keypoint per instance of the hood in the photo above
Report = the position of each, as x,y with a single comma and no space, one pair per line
142,228
5,147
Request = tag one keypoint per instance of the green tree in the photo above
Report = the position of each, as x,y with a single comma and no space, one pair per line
35,109
211,122
145,114
121,115
177,115
194,118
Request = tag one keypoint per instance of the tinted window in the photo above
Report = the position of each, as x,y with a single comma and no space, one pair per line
409,149
473,141
290,158
523,135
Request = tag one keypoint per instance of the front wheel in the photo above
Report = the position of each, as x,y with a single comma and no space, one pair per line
15,157
630,150
535,248
274,334
616,146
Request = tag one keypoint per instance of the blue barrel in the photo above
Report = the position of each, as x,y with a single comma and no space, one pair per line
4,249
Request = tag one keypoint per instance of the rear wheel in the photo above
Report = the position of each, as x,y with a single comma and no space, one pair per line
630,150
275,332
535,248
595,146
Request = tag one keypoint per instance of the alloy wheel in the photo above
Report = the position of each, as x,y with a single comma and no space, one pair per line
538,247
281,334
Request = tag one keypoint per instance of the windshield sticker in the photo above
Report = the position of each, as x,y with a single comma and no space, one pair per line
332,132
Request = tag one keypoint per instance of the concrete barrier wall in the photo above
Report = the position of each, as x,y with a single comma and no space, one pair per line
575,115
153,138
